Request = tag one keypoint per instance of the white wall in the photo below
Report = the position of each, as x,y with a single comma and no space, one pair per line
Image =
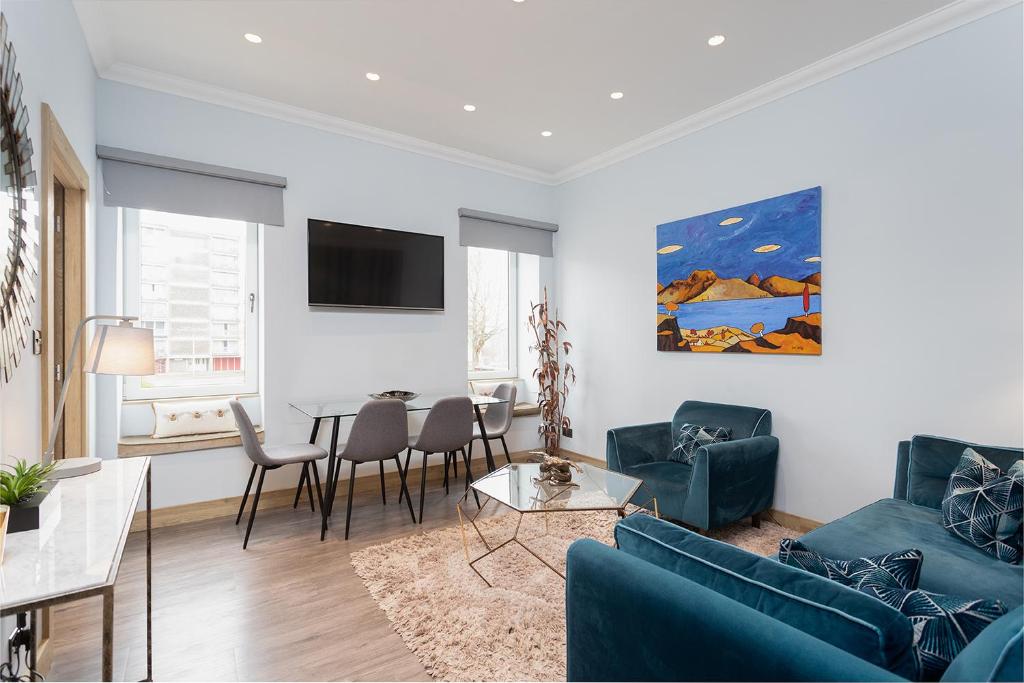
313,353
919,158
55,68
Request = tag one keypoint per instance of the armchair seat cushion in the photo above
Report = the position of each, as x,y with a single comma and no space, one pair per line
951,566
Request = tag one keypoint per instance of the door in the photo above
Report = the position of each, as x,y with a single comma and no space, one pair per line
57,331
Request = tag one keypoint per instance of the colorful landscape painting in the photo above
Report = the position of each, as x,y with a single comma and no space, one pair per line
743,280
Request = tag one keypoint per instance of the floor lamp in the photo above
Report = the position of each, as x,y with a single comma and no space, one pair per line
121,349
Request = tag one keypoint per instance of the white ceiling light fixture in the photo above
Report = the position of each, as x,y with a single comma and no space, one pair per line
616,95
253,38
716,40
518,1
370,76
546,133
469,107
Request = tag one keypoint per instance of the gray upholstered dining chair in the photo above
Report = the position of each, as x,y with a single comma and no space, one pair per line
379,432
448,429
271,458
497,418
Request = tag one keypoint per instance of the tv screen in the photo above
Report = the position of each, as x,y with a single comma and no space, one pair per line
356,265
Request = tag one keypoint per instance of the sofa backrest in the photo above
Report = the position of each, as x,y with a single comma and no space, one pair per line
744,421
931,459
852,621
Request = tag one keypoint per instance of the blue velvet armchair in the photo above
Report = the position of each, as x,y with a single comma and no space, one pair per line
727,481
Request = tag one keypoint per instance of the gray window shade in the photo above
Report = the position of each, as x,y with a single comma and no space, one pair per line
146,181
496,231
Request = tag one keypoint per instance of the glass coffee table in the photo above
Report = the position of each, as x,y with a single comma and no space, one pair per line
517,487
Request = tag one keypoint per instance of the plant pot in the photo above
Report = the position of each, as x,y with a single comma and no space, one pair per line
33,513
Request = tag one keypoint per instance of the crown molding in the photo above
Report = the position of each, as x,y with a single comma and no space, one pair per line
884,44
233,99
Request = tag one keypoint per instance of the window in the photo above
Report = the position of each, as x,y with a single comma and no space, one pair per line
193,281
492,313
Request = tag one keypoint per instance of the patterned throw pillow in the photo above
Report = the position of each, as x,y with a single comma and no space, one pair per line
894,570
943,624
983,505
692,437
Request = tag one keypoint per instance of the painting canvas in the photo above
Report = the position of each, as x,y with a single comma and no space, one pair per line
743,280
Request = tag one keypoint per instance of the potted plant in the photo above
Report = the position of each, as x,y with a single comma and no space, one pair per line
24,488
553,376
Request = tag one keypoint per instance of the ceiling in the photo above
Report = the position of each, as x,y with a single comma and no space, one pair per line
528,66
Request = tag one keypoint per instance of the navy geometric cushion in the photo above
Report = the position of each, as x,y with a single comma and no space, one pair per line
943,624
983,505
692,437
894,570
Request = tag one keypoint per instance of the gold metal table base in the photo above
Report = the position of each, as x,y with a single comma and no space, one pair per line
463,515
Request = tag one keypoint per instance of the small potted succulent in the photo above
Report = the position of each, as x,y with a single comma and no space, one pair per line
23,489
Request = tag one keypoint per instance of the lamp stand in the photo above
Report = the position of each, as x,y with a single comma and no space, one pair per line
73,467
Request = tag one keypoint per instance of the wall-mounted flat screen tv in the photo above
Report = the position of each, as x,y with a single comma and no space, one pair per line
362,266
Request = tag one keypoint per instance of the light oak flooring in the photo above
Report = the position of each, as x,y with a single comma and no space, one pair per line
288,608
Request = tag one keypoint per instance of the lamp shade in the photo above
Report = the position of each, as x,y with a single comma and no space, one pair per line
121,350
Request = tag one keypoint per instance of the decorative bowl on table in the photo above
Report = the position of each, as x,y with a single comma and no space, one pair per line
394,393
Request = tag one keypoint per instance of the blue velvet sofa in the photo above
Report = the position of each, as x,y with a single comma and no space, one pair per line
670,604
727,482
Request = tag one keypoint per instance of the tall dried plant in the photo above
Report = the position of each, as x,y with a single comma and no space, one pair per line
553,376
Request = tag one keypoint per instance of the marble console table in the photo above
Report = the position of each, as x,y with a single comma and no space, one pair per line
80,554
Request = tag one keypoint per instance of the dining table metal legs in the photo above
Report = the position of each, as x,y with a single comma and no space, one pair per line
333,467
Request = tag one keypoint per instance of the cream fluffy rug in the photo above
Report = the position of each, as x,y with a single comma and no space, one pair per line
460,629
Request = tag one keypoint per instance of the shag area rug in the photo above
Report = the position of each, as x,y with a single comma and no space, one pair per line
460,629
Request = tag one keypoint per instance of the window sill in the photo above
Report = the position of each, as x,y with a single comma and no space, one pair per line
133,446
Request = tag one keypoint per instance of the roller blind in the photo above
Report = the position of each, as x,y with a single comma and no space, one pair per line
508,233
138,180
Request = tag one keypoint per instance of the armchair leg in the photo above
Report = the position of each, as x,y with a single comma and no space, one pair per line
505,447
255,504
383,491
755,520
447,459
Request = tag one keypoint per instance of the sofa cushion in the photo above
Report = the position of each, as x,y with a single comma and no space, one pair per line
691,437
983,505
932,460
837,614
997,654
943,624
901,569
951,567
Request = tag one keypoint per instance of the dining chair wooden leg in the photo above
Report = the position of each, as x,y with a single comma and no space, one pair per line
405,489
316,480
245,496
408,453
255,504
309,484
447,459
423,484
383,489
469,475
455,466
298,490
505,446
351,492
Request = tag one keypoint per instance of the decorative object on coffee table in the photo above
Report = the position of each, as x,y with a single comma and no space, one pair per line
553,375
556,470
396,393
521,488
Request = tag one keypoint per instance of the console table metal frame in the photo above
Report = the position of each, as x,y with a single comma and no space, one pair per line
106,590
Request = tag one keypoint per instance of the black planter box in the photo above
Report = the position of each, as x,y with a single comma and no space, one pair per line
26,517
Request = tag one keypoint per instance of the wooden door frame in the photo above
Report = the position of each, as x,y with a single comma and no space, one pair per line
60,161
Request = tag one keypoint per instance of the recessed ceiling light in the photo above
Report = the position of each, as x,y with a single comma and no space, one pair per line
546,133
616,95
716,40
253,38
469,107
518,0
372,76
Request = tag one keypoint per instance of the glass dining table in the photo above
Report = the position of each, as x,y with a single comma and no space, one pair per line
340,408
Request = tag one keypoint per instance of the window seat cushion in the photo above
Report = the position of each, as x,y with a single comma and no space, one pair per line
131,446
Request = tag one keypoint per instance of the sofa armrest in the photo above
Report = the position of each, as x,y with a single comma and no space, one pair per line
732,480
628,446
629,620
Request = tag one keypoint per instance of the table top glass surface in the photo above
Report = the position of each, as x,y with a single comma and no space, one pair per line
349,407
596,489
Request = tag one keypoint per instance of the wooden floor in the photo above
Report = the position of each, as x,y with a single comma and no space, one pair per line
288,608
